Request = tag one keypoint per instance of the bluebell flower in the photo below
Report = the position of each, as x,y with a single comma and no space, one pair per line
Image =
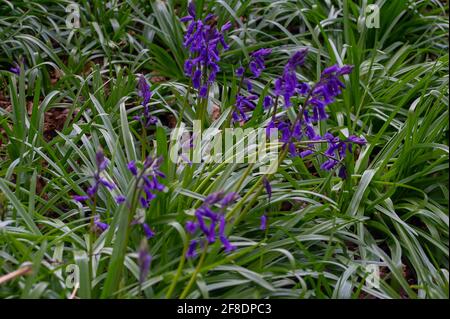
99,226
144,91
225,242
147,179
149,233
337,149
202,39
120,199
267,186
207,220
287,85
101,164
244,104
256,64
228,199
263,224
342,172
15,69
326,90
144,260
240,71
267,102
191,227
190,253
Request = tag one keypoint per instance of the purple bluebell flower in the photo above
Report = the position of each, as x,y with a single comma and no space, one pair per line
263,225
120,199
144,91
256,64
342,172
243,105
287,84
225,242
190,253
329,164
15,69
207,220
271,128
337,149
267,186
213,198
357,140
325,91
191,227
246,103
132,168
147,182
144,260
306,153
228,199
191,13
240,71
149,233
267,102
101,163
80,198
99,226
202,39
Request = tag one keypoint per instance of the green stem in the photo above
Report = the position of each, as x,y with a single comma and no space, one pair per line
194,274
144,142
179,270
91,238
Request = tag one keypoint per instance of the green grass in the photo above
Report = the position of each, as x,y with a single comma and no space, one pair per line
392,211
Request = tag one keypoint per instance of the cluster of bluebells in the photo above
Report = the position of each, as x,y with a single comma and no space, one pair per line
207,221
288,85
147,179
318,97
101,164
245,103
337,148
145,93
147,184
203,39
325,91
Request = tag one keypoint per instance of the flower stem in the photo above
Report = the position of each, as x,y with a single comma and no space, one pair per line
194,274
179,270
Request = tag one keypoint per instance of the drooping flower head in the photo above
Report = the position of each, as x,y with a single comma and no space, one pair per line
147,179
337,150
319,96
208,219
287,85
257,61
15,69
203,39
145,93
101,164
263,225
245,103
98,225
325,91
268,187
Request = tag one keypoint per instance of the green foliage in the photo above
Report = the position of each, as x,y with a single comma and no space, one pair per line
392,211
